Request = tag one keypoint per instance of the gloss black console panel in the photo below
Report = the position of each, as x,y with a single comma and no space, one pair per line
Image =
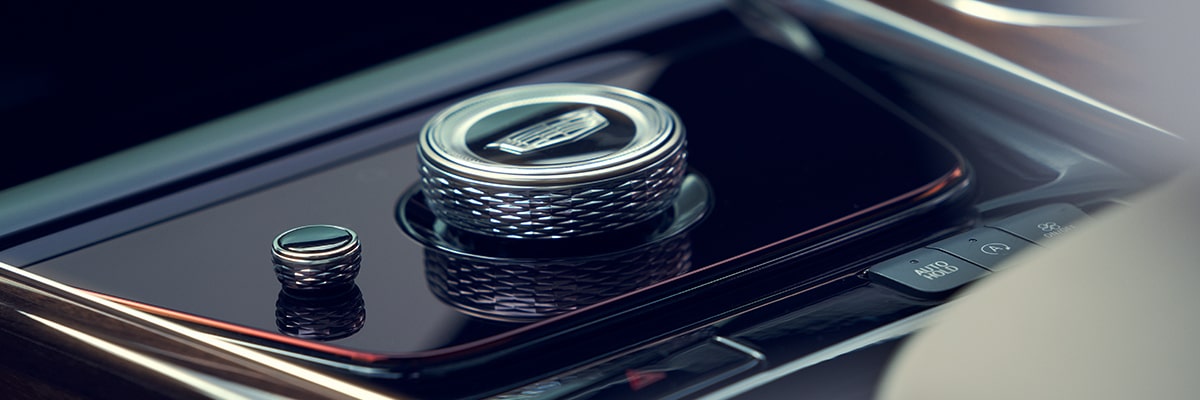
793,161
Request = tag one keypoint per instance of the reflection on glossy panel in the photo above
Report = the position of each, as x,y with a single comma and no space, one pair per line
518,280
521,291
320,318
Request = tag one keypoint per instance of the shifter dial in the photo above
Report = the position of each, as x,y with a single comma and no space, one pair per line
552,161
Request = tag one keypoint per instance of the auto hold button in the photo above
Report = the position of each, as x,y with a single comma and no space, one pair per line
551,161
986,247
925,273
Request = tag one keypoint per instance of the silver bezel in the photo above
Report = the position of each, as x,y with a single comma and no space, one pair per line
319,257
443,141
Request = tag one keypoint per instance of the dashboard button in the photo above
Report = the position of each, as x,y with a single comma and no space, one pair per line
985,247
925,273
1043,223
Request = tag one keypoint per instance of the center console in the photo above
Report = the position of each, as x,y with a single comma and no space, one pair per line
649,217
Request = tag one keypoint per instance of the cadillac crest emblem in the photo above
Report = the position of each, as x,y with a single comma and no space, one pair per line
556,131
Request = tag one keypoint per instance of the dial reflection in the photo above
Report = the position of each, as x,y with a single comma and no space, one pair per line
321,318
522,280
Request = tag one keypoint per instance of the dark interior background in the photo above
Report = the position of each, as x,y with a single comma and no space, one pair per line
83,79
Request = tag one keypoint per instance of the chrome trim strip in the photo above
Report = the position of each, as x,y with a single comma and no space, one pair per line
1017,16
267,361
733,344
181,375
381,373
887,332
895,20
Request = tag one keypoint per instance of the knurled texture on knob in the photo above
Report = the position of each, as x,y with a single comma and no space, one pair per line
530,290
316,257
318,276
562,212
324,319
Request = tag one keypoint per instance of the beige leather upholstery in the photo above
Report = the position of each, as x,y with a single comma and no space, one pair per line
1112,312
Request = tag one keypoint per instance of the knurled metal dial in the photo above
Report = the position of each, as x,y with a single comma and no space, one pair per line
552,161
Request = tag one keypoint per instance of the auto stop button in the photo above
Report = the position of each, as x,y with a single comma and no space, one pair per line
925,273
986,247
1043,223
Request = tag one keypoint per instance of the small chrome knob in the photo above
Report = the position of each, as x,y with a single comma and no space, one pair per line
552,161
316,257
